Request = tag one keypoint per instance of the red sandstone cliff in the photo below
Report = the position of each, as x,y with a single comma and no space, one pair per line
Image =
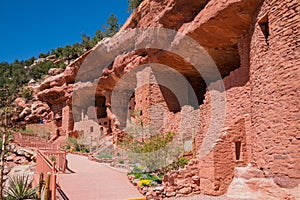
255,46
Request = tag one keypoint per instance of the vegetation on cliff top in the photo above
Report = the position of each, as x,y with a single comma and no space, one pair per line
133,4
13,76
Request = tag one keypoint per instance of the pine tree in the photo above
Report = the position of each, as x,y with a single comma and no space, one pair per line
133,4
113,26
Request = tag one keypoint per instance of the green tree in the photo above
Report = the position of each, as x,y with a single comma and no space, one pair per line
41,69
113,26
133,4
99,35
87,43
59,52
43,55
29,61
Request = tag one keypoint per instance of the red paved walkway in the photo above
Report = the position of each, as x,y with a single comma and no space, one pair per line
95,181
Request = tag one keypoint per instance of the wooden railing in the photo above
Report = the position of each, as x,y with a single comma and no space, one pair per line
45,165
33,142
49,159
59,157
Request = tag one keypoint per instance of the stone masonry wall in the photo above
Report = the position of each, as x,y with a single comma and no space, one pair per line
217,167
274,74
67,120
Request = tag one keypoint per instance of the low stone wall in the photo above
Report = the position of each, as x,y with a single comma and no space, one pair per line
176,183
182,182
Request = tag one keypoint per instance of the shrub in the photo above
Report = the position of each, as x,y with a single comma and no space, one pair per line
180,163
106,153
41,69
52,158
154,152
27,131
20,188
71,143
138,173
133,4
27,93
84,150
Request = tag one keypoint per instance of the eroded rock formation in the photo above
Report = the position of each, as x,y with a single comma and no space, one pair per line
246,142
248,41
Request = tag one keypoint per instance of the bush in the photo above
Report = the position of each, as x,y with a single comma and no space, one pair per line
71,143
35,132
180,163
20,188
154,152
84,150
38,71
138,173
27,93
52,158
133,4
106,153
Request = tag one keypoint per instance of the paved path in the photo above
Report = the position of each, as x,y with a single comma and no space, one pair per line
95,181
205,197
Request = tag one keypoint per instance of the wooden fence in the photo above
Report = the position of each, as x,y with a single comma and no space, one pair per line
50,161
33,142
59,157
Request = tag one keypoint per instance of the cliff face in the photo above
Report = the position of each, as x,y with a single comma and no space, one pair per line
243,119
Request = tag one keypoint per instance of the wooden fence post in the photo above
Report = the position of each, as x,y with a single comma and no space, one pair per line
47,187
41,181
53,183
64,161
53,191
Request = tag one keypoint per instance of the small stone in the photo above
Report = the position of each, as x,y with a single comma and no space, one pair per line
185,190
10,158
170,194
161,188
135,182
195,178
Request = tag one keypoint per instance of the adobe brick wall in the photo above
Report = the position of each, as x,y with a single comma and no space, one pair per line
152,101
261,105
217,168
89,127
67,120
275,86
262,94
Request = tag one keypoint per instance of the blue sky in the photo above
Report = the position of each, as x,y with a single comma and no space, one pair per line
34,26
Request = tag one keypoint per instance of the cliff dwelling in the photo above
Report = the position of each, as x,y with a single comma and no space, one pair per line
238,126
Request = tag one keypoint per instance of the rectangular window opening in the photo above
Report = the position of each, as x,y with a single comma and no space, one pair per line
238,150
264,26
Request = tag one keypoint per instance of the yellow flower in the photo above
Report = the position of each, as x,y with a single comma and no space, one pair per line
146,183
